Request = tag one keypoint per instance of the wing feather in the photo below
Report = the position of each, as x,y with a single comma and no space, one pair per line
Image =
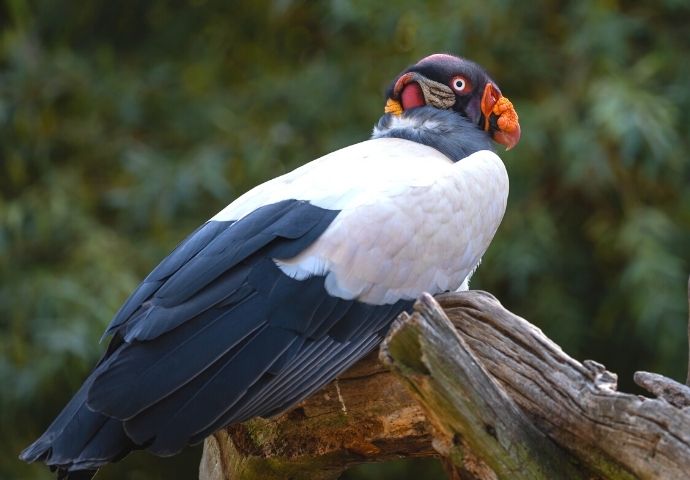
175,419
212,272
153,370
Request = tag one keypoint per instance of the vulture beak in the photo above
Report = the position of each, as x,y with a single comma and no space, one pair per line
500,118
409,97
413,90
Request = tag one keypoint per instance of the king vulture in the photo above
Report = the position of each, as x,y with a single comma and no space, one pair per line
298,278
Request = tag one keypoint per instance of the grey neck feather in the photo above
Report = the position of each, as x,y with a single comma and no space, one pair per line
453,135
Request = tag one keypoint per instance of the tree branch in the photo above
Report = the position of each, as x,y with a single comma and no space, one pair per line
673,392
462,400
503,401
366,415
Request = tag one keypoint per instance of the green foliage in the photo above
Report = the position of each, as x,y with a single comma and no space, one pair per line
123,125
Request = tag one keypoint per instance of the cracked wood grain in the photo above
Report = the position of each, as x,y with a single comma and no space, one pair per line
366,415
462,400
502,374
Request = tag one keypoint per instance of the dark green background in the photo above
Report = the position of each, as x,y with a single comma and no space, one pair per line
125,124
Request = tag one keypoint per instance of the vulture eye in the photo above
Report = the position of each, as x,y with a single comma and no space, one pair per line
460,84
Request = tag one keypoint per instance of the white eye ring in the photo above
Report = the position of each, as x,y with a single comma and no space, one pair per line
459,84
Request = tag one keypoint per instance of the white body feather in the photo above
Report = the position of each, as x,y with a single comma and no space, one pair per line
410,219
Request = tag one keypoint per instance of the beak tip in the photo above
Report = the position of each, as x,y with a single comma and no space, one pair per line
508,139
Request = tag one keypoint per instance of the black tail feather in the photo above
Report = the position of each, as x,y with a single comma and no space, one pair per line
79,440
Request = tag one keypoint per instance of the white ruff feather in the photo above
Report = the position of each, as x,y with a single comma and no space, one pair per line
414,123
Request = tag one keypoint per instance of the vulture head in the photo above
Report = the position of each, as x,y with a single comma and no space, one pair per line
451,83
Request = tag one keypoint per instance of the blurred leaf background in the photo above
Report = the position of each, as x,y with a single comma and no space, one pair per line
123,125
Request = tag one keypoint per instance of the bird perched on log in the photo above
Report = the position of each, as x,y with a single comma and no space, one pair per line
298,278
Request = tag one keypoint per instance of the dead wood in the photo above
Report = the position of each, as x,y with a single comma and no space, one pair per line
493,395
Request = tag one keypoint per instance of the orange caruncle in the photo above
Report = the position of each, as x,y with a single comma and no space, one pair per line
507,116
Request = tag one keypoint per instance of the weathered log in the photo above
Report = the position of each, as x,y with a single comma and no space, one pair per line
464,403
593,431
366,415
673,392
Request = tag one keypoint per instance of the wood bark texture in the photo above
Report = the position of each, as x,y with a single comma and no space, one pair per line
484,389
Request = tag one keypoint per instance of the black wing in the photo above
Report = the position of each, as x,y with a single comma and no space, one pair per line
216,334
